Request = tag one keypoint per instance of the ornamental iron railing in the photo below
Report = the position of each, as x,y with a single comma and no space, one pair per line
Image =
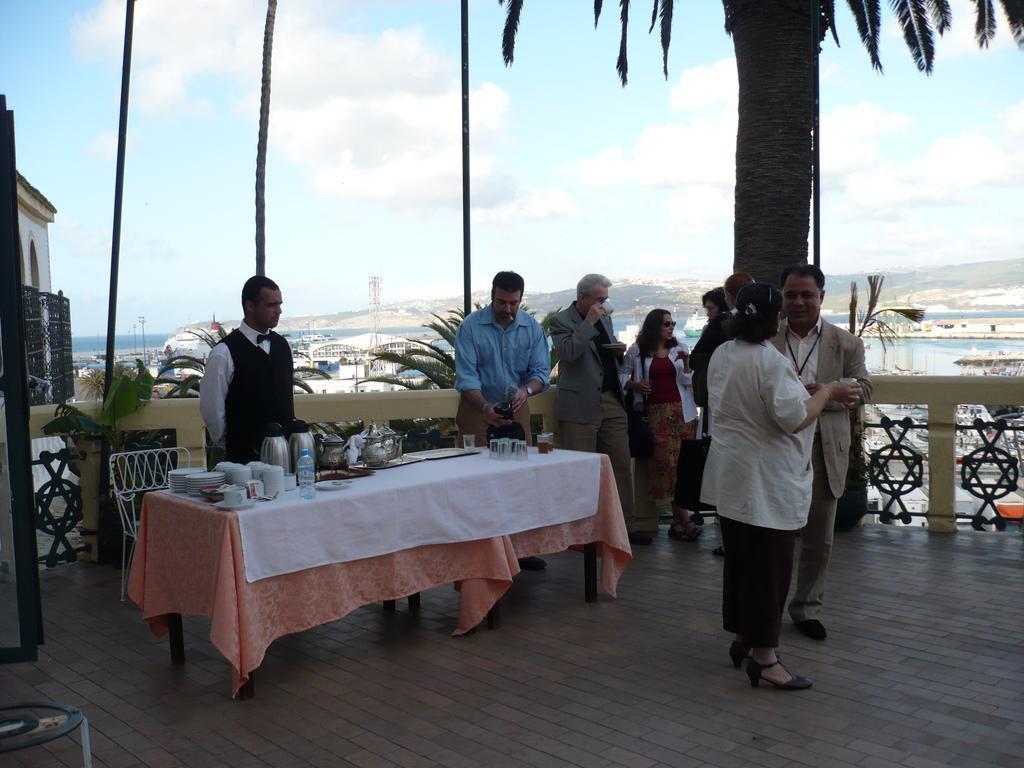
48,346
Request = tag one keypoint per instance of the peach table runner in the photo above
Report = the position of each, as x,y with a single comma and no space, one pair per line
188,560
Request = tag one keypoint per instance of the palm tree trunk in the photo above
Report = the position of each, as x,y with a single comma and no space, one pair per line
772,40
261,143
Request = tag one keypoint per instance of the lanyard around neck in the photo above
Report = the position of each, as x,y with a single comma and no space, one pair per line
799,367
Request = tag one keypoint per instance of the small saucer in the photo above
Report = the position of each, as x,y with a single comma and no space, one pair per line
333,485
244,505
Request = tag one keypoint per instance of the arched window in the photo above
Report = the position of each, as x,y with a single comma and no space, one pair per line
33,265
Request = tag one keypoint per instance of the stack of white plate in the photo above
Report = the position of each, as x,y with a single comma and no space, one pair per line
176,478
199,480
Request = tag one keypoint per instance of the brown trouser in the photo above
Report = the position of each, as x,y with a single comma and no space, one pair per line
755,580
607,433
470,421
815,543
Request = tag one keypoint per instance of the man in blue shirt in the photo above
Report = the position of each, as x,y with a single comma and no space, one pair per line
499,348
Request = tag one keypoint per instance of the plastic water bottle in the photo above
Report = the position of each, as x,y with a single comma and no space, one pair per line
307,474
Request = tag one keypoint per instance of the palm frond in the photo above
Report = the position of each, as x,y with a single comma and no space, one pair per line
654,17
942,16
912,16
508,35
1014,10
828,21
868,16
597,11
206,337
300,384
308,372
985,22
622,64
666,32
187,362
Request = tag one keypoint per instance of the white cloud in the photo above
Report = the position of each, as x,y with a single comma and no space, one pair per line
533,205
104,145
702,87
850,134
367,116
700,210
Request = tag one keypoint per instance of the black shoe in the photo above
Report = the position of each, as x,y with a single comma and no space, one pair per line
813,628
532,564
718,551
794,683
738,652
640,538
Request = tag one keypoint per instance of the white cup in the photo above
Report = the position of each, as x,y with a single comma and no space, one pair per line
290,482
239,475
273,480
234,497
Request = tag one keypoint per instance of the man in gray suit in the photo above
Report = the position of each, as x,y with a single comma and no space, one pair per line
820,353
589,404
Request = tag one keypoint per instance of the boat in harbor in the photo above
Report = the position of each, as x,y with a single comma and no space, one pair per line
695,324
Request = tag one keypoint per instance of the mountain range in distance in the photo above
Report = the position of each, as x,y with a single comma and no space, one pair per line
975,287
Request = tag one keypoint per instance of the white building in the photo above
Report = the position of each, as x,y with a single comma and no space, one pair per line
35,214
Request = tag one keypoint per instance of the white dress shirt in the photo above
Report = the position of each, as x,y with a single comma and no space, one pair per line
217,375
803,352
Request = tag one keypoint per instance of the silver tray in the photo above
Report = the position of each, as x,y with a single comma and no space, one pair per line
441,453
400,461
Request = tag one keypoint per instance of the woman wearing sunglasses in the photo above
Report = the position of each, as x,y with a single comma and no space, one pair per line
657,369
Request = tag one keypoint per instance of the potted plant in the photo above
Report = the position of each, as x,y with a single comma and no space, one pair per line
130,391
853,504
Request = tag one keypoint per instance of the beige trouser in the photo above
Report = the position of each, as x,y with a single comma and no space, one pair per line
607,434
815,543
470,421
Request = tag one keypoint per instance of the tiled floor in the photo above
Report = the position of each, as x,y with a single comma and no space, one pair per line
924,666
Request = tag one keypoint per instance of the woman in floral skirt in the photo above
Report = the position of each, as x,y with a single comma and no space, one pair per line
656,368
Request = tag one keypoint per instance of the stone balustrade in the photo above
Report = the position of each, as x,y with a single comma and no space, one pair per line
941,394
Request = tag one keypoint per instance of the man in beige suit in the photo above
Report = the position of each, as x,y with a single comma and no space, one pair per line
820,353
589,405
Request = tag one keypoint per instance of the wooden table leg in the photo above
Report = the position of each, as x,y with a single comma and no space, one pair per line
389,606
176,637
248,690
414,602
590,572
494,616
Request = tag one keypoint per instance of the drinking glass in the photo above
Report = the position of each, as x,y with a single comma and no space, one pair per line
504,449
520,450
492,449
545,442
469,441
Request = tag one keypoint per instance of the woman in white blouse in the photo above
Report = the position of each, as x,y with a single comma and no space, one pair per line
657,369
758,476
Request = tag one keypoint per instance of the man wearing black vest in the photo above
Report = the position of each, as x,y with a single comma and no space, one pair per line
248,377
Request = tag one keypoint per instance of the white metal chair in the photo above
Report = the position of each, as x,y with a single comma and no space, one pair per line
132,473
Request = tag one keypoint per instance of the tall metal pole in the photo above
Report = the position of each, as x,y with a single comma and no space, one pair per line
104,523
115,243
142,322
816,122
467,298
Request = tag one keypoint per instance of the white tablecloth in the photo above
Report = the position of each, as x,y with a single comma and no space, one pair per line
431,502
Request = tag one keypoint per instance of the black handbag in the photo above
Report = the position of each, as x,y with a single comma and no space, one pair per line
641,442
693,454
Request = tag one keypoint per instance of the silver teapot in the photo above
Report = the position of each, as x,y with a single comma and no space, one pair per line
332,452
381,446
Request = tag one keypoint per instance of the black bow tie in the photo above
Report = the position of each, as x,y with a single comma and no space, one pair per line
261,337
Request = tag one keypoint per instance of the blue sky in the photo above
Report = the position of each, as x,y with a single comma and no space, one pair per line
572,173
